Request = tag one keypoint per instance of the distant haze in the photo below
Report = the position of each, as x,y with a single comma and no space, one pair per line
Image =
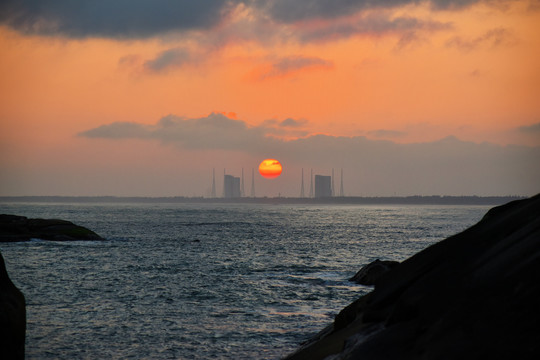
146,98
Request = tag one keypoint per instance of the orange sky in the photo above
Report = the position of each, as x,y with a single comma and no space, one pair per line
409,74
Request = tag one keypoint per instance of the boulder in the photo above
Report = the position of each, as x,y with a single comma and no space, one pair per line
473,296
369,274
20,228
12,317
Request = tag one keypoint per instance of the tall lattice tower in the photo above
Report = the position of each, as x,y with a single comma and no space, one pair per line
332,184
252,183
341,192
224,173
242,184
302,185
311,184
213,195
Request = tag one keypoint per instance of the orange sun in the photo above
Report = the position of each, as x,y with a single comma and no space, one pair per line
270,168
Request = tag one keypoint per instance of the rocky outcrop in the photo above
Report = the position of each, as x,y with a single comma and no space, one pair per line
20,228
372,272
474,295
12,317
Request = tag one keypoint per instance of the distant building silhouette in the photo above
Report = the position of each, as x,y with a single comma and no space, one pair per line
302,185
341,192
311,184
231,186
332,185
323,186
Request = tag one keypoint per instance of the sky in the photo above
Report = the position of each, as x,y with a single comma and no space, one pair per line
149,97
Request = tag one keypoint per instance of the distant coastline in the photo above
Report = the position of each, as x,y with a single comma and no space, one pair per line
345,200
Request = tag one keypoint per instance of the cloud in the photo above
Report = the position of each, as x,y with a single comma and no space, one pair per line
530,129
382,133
203,45
220,132
111,18
130,60
285,129
492,38
215,131
118,130
289,65
136,19
292,11
457,4
289,122
377,23
172,58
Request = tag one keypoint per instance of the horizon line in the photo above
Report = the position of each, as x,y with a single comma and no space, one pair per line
406,199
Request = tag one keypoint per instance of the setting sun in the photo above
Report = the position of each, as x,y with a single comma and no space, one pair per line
270,168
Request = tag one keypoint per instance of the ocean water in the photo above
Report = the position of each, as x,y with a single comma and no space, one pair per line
206,281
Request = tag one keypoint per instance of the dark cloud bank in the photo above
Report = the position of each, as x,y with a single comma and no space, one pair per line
147,18
448,166
110,18
292,11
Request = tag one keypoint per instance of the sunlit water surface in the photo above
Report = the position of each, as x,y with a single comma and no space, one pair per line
206,281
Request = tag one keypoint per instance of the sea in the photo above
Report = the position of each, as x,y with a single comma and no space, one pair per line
206,281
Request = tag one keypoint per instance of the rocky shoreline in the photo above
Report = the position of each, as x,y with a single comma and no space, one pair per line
12,317
473,295
20,228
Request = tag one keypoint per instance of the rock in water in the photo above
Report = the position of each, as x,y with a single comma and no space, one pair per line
372,272
12,317
474,295
20,228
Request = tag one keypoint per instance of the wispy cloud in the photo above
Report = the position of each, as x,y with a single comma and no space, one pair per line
373,23
291,65
490,39
168,59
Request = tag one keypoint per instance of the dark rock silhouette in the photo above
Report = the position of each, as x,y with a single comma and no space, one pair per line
20,228
372,272
474,295
12,317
